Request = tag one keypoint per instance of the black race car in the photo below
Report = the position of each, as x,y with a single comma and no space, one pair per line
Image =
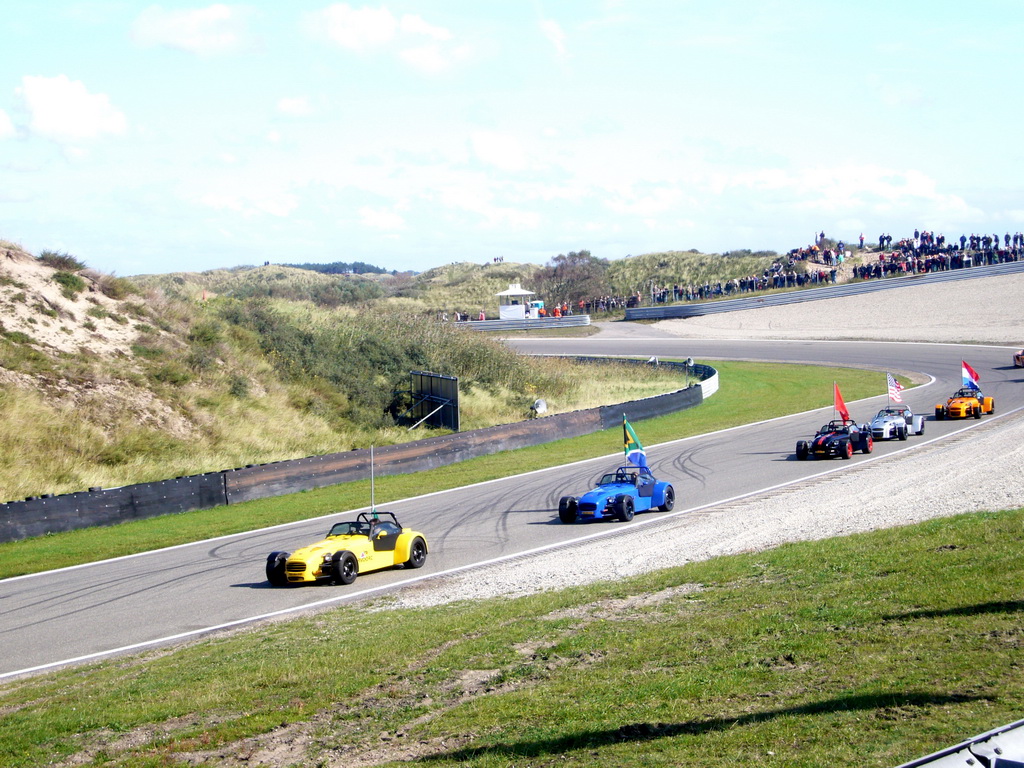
840,437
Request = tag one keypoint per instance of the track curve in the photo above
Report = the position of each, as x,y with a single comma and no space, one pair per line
76,614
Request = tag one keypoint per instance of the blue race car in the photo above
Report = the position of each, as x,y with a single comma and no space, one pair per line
619,494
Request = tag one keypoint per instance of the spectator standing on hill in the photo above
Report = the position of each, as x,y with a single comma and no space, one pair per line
861,239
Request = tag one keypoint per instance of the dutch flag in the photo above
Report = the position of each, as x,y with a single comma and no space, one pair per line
970,376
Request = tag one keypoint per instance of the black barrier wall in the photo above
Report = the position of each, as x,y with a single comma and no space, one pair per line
38,516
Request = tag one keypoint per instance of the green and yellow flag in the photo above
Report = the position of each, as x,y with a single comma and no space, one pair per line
634,451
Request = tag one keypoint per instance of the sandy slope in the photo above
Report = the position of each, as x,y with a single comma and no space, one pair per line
980,310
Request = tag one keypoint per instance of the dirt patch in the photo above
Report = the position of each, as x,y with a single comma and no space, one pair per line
621,608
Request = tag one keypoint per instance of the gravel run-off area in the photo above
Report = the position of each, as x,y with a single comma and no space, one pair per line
898,489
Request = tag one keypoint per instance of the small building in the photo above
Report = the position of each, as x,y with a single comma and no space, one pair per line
513,303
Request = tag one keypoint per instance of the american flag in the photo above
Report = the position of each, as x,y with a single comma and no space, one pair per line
894,389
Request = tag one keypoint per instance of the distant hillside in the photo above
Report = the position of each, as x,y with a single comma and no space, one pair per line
343,268
270,281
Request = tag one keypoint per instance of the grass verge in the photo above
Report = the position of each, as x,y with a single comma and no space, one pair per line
867,650
748,392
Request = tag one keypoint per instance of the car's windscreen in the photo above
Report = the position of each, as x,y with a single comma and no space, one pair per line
349,529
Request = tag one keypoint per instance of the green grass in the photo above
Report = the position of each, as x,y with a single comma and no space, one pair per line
867,650
748,392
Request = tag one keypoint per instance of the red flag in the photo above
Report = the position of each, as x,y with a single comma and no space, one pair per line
840,406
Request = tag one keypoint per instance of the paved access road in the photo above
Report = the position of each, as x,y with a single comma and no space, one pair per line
55,618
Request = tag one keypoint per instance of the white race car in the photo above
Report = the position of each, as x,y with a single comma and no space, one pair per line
896,421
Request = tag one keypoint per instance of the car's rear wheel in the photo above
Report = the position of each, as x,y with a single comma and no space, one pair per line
568,509
869,444
847,450
417,553
624,508
802,451
344,567
670,499
275,569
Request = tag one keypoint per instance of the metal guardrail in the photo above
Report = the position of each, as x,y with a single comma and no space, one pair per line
801,295
999,748
533,324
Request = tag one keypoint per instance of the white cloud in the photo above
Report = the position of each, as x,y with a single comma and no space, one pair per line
553,32
298,106
500,150
415,25
426,58
62,109
252,202
357,30
657,201
207,31
7,129
380,218
363,29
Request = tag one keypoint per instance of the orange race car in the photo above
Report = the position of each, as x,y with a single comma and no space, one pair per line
965,402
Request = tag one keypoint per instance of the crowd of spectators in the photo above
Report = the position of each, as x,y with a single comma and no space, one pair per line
928,252
823,263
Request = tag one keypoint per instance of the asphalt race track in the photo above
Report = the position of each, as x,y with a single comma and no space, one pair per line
61,617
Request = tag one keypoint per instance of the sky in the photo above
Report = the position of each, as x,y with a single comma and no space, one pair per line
147,138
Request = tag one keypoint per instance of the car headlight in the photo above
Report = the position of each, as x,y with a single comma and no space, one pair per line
327,558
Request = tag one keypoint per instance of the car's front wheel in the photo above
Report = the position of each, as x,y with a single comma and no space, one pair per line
868,445
847,450
901,433
417,553
670,499
568,509
802,451
624,508
344,567
275,569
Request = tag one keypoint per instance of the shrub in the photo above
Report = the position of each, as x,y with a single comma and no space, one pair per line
116,287
60,260
171,373
148,352
204,334
239,386
44,310
70,284
18,337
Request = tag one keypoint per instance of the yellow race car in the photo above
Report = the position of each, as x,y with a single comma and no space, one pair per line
965,402
371,542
